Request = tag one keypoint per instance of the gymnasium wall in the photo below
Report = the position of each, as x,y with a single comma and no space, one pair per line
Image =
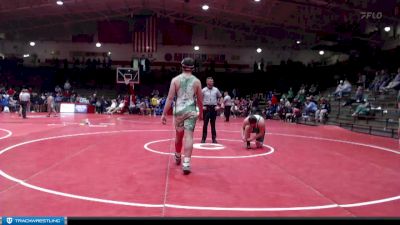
245,56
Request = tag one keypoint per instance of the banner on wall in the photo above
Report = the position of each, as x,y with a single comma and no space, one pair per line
177,57
113,32
176,32
84,38
88,54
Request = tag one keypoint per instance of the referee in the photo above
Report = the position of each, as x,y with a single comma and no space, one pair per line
24,98
210,100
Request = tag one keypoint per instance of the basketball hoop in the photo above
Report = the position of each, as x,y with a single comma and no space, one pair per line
128,79
127,76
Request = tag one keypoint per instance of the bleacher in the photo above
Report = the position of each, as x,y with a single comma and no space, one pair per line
383,119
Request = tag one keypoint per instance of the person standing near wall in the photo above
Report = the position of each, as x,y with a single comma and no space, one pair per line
227,106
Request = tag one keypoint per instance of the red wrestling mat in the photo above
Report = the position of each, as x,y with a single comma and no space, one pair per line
122,166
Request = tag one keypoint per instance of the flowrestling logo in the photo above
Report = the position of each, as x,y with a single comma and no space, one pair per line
371,15
33,220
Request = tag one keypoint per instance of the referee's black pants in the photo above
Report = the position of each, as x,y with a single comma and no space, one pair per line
209,115
24,105
227,113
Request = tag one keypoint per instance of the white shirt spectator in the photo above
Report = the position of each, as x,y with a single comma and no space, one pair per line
57,89
121,104
346,86
67,85
339,87
84,100
227,100
143,63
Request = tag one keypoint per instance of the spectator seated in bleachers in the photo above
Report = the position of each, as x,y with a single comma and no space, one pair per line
253,106
281,110
141,104
398,100
160,107
359,97
68,96
3,103
301,94
119,108
297,107
310,107
13,104
288,117
42,105
57,89
270,110
362,109
235,107
243,107
324,109
386,78
374,85
112,107
154,103
290,94
11,92
395,83
313,89
132,108
93,99
147,105
362,79
343,88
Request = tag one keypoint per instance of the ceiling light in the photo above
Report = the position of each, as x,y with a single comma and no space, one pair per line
26,55
32,43
387,29
60,3
196,48
259,50
298,42
321,52
205,7
98,44
256,0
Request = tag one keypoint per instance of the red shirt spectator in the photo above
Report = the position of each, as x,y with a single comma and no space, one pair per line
67,94
11,92
274,100
132,93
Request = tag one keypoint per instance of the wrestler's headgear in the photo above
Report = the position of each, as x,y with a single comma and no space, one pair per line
187,63
252,119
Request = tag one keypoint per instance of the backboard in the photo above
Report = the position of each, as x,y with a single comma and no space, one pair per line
129,75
